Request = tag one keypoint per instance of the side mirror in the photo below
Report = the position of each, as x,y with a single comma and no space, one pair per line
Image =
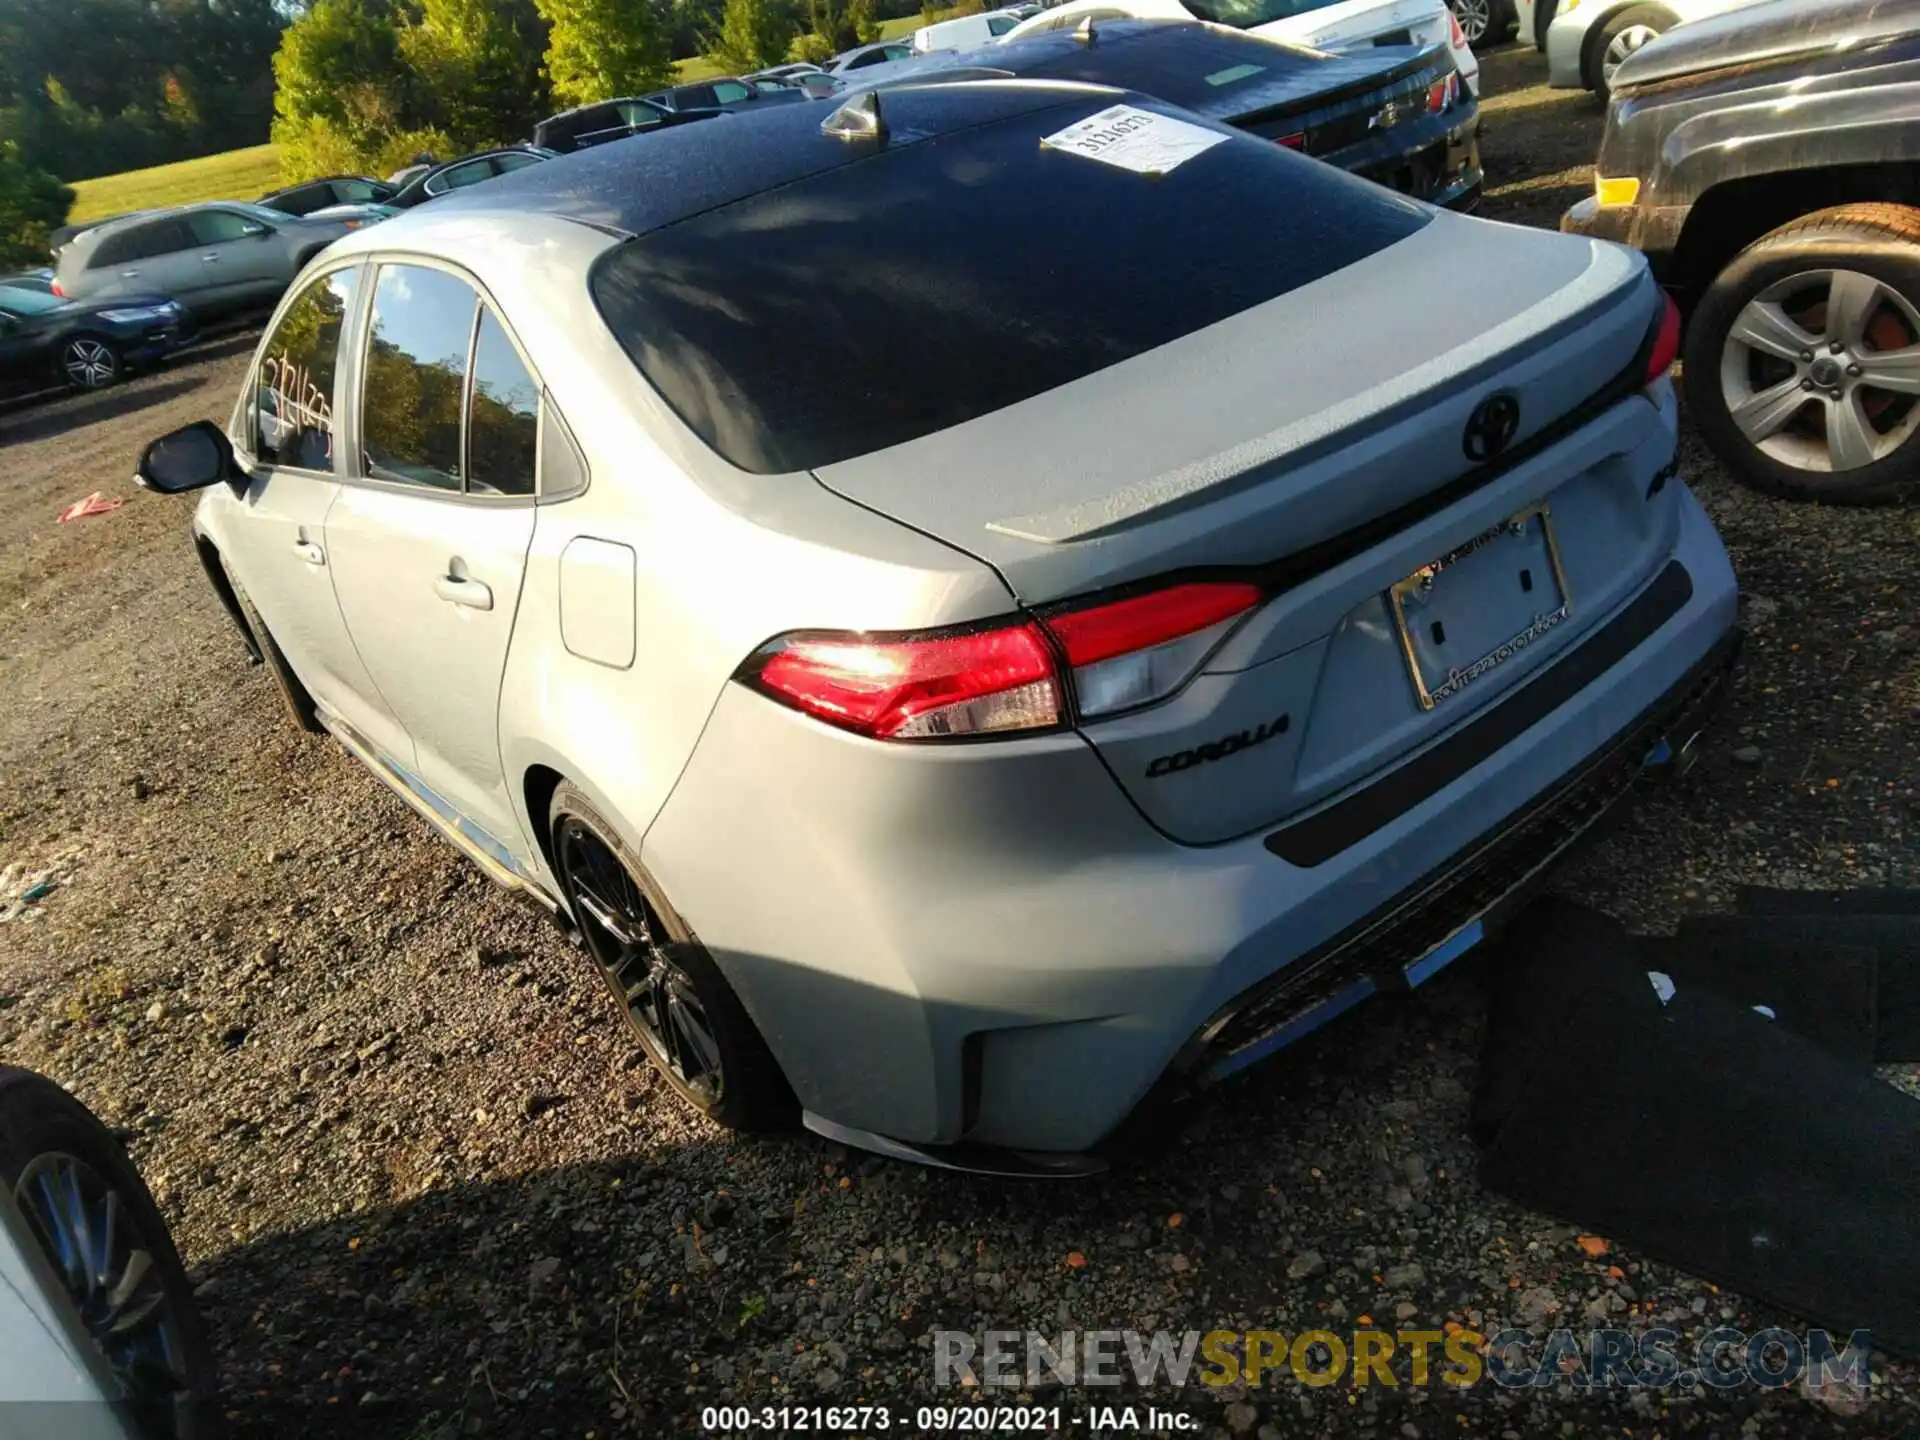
255,230
189,459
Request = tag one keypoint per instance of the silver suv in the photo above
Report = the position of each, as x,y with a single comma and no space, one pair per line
214,259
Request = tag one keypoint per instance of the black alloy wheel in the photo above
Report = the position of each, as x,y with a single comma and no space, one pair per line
686,1017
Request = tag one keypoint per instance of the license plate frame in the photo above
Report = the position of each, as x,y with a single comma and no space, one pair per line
1429,689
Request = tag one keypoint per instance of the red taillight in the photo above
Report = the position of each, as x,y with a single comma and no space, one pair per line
919,688
1119,655
55,287
1442,93
1459,35
1666,344
1295,141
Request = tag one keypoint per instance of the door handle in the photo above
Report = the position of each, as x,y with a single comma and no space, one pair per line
211,258
310,552
129,274
459,590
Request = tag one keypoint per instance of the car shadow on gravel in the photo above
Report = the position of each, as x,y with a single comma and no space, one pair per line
61,419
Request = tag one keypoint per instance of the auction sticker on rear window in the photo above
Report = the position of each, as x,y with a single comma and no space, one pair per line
1134,139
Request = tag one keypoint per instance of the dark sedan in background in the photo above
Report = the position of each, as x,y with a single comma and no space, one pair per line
605,120
312,195
1395,114
86,344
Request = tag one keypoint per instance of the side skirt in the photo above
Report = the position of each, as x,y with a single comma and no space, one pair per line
443,820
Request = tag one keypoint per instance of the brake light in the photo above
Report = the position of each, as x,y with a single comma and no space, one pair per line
1442,94
1009,678
1295,141
55,287
1459,35
919,687
1666,342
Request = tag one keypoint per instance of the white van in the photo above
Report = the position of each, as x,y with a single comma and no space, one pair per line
969,32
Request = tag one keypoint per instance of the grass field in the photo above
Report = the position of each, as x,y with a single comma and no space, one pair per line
235,175
244,174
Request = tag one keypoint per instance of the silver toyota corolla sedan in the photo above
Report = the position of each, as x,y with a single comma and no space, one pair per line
967,703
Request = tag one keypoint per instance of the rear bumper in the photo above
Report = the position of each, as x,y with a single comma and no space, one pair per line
1436,160
986,949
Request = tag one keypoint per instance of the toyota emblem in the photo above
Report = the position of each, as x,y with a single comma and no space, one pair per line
1491,427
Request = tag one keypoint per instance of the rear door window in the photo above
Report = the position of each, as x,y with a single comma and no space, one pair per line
693,97
1000,24
503,424
292,415
357,192
414,378
730,92
514,160
142,242
212,227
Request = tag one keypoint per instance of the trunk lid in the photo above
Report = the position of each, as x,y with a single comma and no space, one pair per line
1317,442
1355,24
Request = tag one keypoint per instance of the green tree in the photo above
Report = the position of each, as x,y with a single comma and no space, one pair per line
752,34
477,63
32,203
346,99
598,49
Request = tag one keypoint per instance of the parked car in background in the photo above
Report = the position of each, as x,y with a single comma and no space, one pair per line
40,279
596,124
1485,22
862,56
1107,666
312,195
86,344
1585,40
215,259
58,238
728,93
784,74
451,175
968,32
1338,25
1763,162
99,1338
1393,113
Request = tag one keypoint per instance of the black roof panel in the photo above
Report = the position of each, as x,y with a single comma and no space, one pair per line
642,183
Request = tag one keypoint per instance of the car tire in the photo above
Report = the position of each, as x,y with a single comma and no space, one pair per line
1479,20
65,1170
1854,268
1618,36
687,1018
90,362
293,694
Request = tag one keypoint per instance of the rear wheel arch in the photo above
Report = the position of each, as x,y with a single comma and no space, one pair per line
757,1096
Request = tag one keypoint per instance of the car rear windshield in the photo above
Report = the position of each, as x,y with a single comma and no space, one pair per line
941,281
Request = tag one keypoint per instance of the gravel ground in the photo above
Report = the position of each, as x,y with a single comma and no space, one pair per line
428,1189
